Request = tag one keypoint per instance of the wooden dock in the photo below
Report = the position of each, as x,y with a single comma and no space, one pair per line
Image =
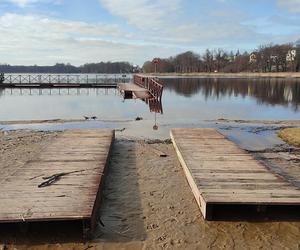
131,90
143,87
81,157
220,173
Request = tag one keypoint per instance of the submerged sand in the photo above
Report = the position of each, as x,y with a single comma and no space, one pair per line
147,204
266,122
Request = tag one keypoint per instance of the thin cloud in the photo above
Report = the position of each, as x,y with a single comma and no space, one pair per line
144,14
24,3
292,6
28,39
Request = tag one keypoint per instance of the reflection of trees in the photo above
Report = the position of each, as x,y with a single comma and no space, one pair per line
266,91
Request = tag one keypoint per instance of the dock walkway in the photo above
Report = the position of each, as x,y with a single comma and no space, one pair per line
143,87
63,80
220,173
131,90
83,156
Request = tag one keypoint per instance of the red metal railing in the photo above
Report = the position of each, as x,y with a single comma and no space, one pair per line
152,84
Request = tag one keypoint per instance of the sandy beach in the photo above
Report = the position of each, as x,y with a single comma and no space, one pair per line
147,203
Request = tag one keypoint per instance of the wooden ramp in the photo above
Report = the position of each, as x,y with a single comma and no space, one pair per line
75,196
220,173
131,90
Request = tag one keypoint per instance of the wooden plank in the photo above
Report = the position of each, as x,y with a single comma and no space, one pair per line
134,90
221,173
141,94
75,196
130,87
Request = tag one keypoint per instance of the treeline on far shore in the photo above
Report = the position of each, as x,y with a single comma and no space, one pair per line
61,68
266,58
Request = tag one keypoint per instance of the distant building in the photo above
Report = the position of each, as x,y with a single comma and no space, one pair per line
291,55
253,57
274,58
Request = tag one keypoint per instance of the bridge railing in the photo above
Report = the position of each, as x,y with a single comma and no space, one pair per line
64,79
153,85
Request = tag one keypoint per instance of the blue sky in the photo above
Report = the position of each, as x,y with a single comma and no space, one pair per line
78,31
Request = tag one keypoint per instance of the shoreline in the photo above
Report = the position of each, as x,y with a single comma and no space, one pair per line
221,120
58,121
292,75
265,122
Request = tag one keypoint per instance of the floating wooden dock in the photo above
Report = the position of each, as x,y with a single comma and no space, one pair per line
82,155
131,90
220,173
143,87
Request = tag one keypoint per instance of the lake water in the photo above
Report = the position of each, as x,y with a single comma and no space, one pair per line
185,102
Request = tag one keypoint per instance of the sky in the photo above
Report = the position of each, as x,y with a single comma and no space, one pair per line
45,32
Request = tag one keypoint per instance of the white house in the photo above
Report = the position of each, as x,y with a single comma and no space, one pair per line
291,55
253,58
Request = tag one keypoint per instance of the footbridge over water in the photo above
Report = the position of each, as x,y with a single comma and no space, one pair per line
63,80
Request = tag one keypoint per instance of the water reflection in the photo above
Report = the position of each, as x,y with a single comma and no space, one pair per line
184,101
154,103
57,92
266,91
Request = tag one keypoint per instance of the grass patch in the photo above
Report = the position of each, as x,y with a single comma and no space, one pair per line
290,136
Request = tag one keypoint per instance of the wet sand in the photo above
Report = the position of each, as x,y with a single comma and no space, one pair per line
147,204
265,122
57,121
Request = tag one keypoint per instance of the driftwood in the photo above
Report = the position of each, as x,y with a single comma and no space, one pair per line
54,178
